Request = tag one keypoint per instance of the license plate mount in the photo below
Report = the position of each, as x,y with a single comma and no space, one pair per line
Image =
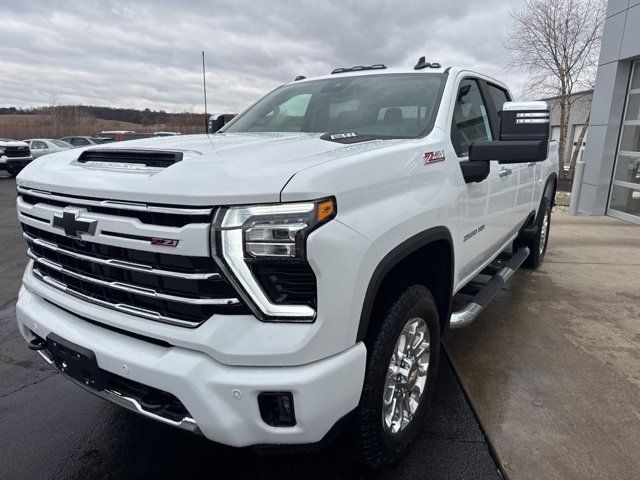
76,362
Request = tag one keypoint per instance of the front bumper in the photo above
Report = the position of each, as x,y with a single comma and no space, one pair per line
21,162
221,399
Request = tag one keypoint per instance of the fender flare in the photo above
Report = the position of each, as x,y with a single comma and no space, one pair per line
393,258
549,193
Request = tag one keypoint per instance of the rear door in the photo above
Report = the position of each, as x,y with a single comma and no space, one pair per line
521,176
482,214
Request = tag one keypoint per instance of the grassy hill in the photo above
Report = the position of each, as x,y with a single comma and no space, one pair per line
60,121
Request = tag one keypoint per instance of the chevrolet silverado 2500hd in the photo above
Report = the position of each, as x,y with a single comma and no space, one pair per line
293,272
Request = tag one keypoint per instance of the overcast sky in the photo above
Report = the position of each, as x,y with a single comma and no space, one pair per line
147,54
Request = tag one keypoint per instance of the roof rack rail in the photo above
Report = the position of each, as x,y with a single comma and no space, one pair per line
422,63
358,68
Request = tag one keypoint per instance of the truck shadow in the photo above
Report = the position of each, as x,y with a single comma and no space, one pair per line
124,445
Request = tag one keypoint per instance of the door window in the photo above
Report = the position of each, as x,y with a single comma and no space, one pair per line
470,118
498,95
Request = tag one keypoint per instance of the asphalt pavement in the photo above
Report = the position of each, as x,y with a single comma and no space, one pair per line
51,429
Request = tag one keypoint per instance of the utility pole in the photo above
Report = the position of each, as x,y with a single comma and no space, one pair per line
204,86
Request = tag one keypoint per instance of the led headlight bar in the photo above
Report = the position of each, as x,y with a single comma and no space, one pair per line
267,233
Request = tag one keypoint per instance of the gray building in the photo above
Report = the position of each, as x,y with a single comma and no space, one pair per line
580,106
611,183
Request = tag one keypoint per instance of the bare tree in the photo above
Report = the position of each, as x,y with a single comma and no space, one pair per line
557,43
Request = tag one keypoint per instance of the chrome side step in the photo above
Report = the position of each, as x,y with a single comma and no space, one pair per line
469,313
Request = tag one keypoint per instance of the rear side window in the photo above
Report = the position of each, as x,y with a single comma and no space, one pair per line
470,118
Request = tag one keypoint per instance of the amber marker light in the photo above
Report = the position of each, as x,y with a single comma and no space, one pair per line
326,210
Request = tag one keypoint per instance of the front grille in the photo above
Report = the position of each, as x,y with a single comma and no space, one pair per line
175,289
17,152
153,216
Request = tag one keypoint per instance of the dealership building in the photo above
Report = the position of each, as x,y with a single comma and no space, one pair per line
611,183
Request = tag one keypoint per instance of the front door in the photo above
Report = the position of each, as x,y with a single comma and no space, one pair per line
482,222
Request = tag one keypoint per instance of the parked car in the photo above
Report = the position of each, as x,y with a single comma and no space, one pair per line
123,135
43,146
85,141
14,156
166,134
292,274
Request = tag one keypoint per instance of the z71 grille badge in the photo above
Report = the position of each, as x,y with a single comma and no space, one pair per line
164,242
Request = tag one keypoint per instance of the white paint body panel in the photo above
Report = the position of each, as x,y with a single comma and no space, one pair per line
385,194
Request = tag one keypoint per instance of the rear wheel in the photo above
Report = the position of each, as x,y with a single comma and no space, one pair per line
401,370
538,243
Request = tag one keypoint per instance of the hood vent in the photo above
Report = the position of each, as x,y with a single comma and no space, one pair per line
148,158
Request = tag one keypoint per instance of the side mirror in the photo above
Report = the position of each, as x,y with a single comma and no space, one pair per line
524,135
216,122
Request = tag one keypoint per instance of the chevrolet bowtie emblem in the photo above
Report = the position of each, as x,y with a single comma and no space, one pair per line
72,225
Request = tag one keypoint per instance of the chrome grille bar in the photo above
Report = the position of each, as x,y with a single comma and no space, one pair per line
112,262
120,307
133,206
125,287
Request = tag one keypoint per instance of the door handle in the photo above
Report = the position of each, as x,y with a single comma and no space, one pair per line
504,172
531,164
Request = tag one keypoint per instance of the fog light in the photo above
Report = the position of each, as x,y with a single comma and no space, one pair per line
276,409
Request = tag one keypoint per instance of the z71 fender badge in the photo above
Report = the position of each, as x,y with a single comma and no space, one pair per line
433,157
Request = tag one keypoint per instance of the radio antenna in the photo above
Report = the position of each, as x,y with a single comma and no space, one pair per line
204,87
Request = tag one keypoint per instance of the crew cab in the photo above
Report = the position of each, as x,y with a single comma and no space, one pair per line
292,274
14,156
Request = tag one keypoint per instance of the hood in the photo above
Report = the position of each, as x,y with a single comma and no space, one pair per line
221,169
12,143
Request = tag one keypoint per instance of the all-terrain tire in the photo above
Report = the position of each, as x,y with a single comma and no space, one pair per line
375,445
13,171
538,243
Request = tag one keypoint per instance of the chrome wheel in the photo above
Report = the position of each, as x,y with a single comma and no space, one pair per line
406,376
544,231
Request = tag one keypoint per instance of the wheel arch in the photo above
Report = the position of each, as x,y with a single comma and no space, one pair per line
426,258
549,191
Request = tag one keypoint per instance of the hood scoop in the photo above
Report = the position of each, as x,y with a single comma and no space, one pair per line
128,159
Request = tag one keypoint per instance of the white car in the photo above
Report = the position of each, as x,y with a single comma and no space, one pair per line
44,146
294,272
14,156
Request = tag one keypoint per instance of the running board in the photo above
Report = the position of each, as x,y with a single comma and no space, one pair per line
468,314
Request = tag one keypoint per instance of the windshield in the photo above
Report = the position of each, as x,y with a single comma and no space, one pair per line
388,105
60,144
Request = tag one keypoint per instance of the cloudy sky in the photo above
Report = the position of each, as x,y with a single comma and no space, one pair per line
147,54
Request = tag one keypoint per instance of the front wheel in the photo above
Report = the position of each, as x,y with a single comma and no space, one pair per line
13,170
401,371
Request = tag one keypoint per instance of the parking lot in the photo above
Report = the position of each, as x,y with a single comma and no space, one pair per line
51,429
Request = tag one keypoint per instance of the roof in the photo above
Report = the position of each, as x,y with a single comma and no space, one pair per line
575,94
403,70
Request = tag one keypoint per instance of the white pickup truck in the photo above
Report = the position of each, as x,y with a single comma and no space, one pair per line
14,156
292,273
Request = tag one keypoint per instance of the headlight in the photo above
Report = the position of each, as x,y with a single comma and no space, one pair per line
1,150
251,240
